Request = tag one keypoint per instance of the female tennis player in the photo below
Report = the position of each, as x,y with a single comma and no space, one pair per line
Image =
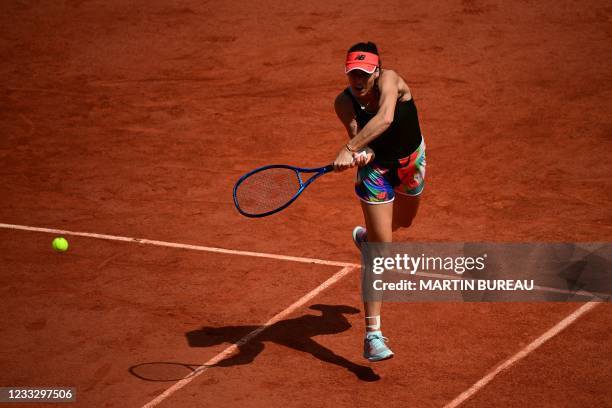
379,114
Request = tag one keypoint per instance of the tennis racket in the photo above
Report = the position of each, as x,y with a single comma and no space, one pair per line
270,189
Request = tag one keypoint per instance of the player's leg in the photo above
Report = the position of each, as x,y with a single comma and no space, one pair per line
378,220
409,184
376,194
405,208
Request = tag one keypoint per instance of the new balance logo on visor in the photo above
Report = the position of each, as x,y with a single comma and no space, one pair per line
363,60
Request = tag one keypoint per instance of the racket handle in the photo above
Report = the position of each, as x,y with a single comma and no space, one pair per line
330,167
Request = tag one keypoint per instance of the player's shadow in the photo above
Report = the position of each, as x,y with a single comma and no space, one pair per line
294,333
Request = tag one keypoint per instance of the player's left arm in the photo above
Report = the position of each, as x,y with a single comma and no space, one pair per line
388,85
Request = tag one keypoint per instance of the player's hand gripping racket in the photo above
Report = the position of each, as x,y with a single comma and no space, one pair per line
270,189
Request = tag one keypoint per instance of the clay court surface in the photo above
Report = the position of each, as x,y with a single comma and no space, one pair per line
134,119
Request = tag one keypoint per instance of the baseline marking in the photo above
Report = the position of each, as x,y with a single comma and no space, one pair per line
234,347
315,261
552,332
178,245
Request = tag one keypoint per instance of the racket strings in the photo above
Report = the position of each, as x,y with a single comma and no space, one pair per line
267,190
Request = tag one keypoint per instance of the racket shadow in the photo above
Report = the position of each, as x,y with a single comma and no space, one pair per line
162,371
296,333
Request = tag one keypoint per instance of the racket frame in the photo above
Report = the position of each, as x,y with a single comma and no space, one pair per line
319,171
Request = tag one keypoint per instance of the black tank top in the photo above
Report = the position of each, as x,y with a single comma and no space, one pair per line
402,137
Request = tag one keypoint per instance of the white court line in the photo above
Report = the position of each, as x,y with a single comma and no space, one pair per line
556,329
234,347
178,245
258,255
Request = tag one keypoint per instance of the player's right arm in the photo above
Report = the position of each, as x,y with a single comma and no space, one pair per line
344,111
346,114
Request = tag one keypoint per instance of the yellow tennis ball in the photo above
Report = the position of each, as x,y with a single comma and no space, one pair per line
60,244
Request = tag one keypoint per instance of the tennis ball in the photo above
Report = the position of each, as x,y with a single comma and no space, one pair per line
60,244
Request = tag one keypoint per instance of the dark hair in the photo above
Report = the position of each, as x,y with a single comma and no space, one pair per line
366,47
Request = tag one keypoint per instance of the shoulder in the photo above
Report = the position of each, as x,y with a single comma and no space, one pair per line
389,76
391,79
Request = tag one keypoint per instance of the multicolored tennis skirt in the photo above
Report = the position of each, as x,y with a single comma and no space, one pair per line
377,183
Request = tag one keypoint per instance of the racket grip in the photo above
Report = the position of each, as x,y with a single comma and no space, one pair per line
330,167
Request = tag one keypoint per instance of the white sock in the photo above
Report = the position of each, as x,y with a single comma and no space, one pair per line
373,322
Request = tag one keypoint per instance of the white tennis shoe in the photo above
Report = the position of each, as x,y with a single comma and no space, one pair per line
374,347
360,235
